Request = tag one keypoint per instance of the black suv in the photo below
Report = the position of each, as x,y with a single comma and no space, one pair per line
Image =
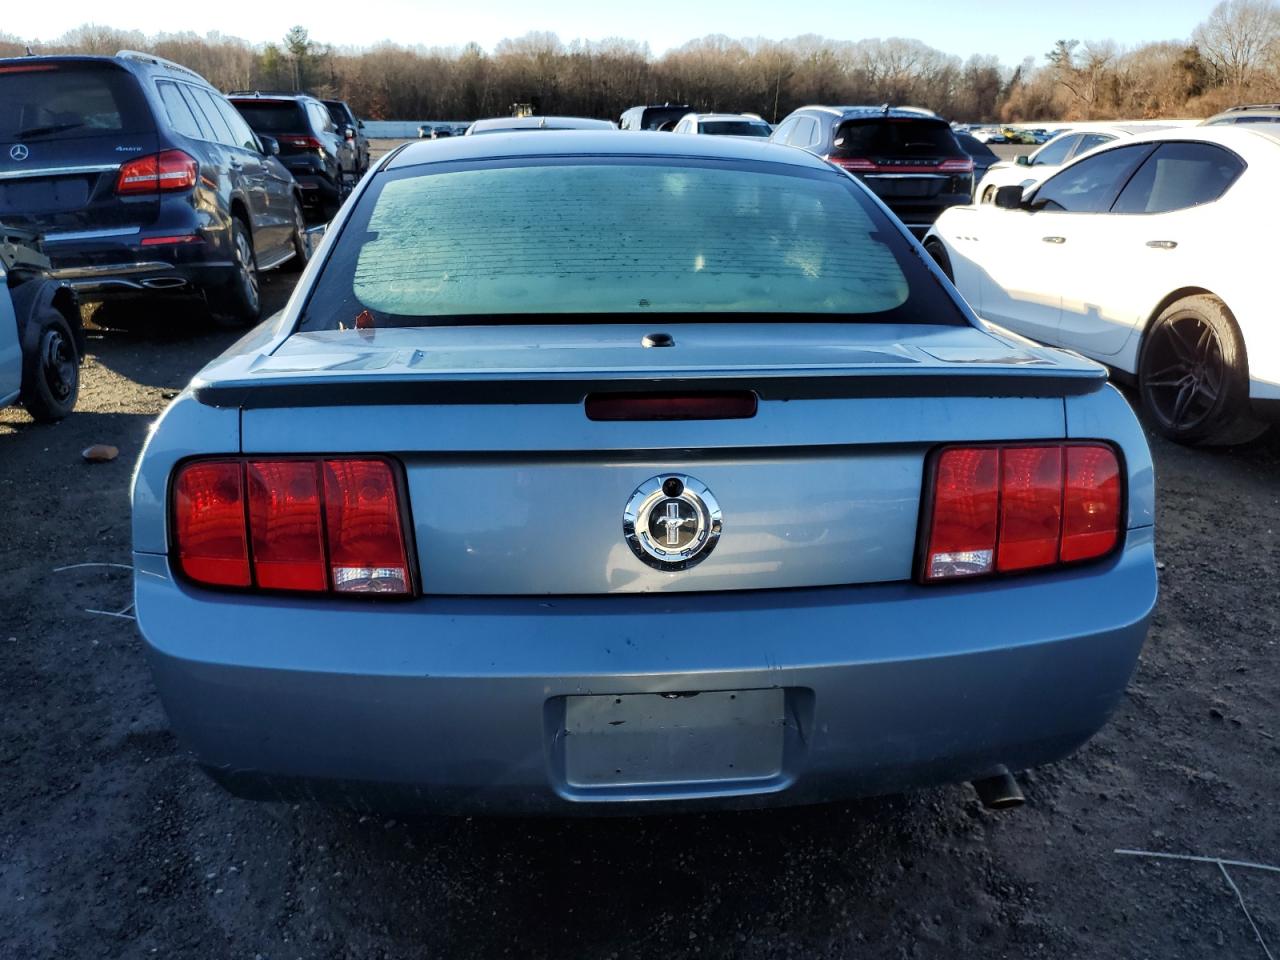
908,157
143,181
352,129
311,145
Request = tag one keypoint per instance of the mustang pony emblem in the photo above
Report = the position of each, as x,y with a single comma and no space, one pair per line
671,522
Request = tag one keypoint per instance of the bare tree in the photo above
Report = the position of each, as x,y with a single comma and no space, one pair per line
1239,38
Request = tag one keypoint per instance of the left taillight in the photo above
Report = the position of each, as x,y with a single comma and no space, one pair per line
158,172
995,509
309,525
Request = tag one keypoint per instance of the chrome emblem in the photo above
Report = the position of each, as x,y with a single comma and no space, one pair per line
672,522
19,152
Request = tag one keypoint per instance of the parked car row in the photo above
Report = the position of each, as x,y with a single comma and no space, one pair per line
143,181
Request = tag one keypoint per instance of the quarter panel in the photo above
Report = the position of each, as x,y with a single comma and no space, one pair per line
1106,415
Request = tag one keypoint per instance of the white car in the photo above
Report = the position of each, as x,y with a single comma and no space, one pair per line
1152,255
724,125
1033,168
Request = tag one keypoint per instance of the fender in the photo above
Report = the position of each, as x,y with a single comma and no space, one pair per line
33,298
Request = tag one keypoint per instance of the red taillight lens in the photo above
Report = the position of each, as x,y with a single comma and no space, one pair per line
300,524
284,517
1001,509
170,170
1091,507
853,164
307,143
955,166
966,502
209,525
1030,507
366,546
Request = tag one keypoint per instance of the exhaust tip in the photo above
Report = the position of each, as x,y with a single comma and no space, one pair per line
164,283
999,791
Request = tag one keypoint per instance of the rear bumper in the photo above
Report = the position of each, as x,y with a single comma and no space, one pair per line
458,704
117,264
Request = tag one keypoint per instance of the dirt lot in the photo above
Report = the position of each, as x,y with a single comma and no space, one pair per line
112,845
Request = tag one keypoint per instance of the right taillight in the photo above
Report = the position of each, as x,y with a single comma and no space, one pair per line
1007,508
298,524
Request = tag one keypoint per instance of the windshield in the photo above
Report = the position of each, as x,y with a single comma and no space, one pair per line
735,128
53,101
618,238
895,137
279,116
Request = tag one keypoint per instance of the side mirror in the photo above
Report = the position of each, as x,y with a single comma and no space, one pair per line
1009,198
270,145
1023,160
359,124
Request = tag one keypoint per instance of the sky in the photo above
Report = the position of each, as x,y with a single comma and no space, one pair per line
1011,30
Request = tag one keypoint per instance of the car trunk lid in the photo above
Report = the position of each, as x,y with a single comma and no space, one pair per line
513,489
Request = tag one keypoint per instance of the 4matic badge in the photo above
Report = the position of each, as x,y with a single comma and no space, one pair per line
671,522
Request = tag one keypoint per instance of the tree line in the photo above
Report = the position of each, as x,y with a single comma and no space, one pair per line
1232,57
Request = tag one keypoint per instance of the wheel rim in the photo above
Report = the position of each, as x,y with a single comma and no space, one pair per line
1187,372
248,274
57,364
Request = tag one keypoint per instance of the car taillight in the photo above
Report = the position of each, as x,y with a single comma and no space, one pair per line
956,166
853,164
300,524
307,143
1004,509
169,170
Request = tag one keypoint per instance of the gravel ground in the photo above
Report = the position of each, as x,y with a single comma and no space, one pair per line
113,845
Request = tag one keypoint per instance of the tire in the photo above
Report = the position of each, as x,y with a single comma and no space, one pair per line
51,372
1193,375
239,304
935,249
301,248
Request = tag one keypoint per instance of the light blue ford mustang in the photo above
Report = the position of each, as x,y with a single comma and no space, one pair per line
592,472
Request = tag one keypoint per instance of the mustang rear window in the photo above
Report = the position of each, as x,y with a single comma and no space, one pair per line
486,243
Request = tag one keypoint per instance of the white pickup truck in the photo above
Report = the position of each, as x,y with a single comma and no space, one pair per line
41,341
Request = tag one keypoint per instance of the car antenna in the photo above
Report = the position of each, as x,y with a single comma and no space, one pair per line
884,108
29,53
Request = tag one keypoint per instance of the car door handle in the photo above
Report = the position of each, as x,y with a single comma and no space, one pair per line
1054,239
1162,244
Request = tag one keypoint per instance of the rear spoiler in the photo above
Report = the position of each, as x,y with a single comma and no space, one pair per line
1050,381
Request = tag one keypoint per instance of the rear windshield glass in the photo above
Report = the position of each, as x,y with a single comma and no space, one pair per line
654,117
613,240
46,101
894,137
735,128
272,117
